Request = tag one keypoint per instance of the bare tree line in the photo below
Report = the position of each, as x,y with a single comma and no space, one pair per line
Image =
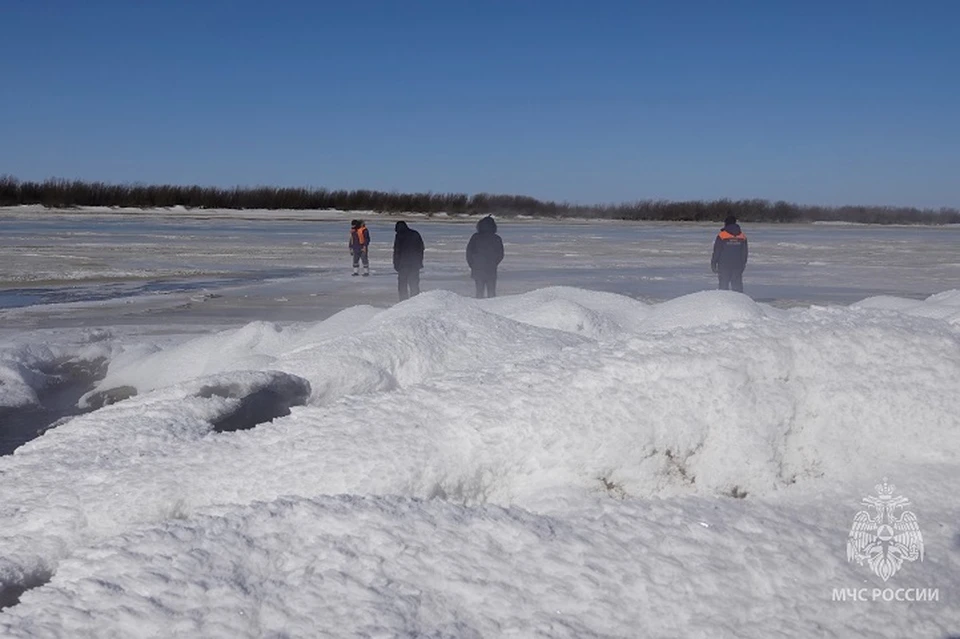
60,193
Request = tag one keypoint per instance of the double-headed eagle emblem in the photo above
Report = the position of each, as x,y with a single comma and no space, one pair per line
885,538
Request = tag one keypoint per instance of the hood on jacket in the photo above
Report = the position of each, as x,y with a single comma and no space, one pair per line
401,227
487,225
732,229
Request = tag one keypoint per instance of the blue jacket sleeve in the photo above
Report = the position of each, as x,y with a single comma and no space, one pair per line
717,249
471,247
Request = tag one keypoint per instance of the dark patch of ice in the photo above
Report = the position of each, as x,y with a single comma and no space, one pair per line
67,380
10,593
259,405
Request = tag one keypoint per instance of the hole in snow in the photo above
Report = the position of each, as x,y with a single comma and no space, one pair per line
65,382
259,405
10,593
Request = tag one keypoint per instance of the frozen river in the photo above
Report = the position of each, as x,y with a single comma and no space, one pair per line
229,267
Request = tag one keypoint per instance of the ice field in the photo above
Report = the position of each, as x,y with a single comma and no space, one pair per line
223,267
244,441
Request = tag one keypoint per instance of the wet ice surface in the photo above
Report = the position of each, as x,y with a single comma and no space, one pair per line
226,268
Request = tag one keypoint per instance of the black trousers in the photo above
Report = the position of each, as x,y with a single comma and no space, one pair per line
408,283
731,279
358,256
486,282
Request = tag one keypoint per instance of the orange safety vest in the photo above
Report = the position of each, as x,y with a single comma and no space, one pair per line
724,235
359,237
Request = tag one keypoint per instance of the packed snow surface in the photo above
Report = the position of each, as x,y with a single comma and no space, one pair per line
562,463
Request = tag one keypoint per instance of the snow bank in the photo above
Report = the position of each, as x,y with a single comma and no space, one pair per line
355,566
540,450
360,350
706,309
942,306
594,314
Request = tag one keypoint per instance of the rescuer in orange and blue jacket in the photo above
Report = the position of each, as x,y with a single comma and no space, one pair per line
730,255
359,244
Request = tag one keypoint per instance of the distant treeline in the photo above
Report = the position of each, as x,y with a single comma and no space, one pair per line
66,193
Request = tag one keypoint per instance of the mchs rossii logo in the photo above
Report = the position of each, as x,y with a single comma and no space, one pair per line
885,535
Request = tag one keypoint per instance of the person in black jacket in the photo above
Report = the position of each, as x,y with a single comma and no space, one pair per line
484,254
407,260
730,255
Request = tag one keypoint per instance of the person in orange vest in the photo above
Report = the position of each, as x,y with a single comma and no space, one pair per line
359,244
730,255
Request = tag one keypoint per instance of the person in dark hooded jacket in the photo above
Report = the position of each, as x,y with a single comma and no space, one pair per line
407,260
730,255
484,254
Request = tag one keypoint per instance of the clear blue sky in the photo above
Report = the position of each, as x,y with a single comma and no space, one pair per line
814,102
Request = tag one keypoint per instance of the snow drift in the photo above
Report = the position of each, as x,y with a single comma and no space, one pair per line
575,437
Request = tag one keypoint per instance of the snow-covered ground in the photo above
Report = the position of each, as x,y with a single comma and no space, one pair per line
649,458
